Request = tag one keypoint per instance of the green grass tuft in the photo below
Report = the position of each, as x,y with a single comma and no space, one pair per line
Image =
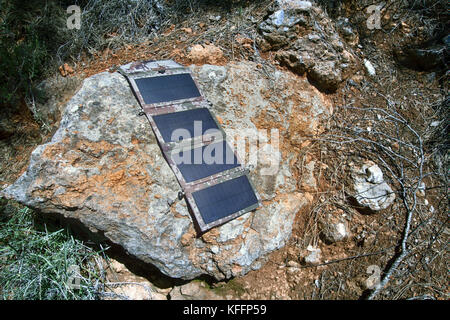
34,263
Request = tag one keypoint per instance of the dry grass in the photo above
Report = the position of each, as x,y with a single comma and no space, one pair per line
397,120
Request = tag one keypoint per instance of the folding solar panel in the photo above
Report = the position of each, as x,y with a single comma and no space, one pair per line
192,123
216,185
204,161
167,88
162,86
216,203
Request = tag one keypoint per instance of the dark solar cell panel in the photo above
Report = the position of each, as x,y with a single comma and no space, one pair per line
197,164
223,199
167,88
168,123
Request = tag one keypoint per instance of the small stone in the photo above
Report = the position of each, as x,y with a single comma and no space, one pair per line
313,258
369,67
313,37
435,123
370,189
335,232
215,18
293,264
215,249
65,70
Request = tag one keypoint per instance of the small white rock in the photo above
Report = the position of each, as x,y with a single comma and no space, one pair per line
435,123
314,257
292,264
369,67
317,283
215,249
334,232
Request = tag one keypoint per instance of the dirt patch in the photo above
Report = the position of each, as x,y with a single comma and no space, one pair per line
206,54
17,143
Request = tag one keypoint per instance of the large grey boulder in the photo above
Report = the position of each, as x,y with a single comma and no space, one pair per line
104,169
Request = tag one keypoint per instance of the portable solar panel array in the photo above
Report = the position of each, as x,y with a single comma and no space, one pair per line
216,185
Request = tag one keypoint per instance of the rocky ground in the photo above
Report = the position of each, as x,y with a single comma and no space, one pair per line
361,158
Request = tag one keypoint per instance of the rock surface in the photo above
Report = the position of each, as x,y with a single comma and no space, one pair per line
308,181
370,189
122,284
194,290
307,43
347,31
104,168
